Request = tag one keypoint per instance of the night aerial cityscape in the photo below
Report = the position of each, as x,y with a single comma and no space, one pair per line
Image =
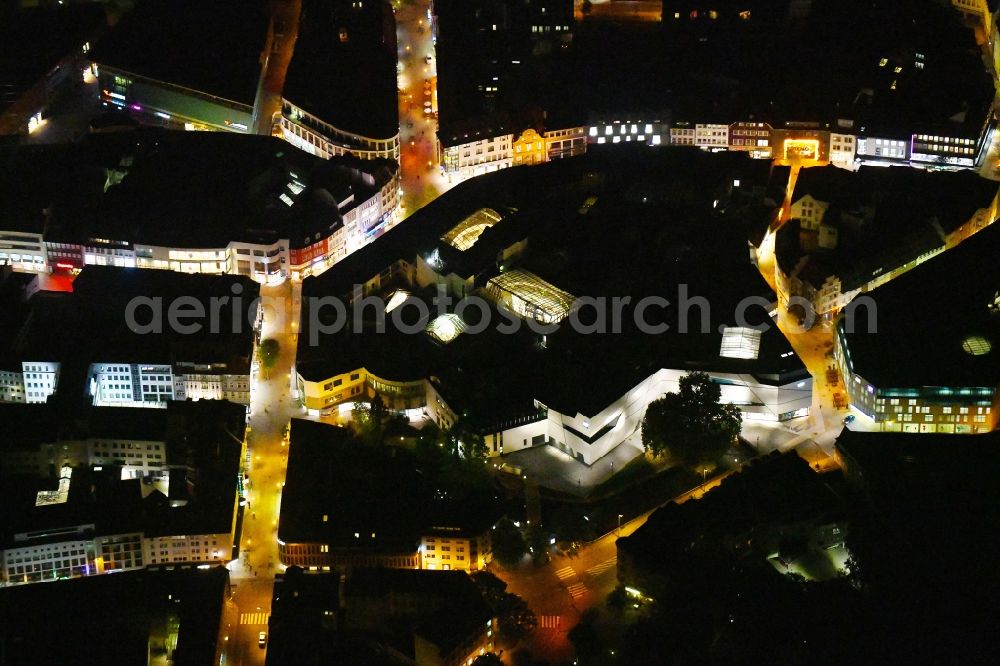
481,332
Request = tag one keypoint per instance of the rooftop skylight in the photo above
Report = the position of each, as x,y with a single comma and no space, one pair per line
465,234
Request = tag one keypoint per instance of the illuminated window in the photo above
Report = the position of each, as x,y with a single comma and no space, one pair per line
745,14
740,342
883,62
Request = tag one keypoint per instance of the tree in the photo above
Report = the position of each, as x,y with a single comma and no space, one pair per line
516,619
692,425
584,638
462,441
508,544
369,420
538,544
267,354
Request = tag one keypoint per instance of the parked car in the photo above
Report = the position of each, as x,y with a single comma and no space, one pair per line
262,639
849,418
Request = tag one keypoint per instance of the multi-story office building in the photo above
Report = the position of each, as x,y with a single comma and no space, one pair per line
626,130
946,317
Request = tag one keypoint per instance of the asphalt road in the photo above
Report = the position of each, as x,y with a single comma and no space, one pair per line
271,406
558,592
421,179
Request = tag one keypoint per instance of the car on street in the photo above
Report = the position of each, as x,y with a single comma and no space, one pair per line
262,639
849,418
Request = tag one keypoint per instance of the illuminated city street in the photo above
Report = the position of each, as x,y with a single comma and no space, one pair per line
284,29
421,179
253,573
688,352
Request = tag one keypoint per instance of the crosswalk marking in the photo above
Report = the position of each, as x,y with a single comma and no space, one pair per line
565,572
603,566
254,618
577,589
549,621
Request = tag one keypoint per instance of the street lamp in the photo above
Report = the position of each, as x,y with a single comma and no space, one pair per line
704,472
619,524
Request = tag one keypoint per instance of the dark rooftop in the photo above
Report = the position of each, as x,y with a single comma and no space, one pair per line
375,498
771,491
666,211
36,39
214,47
729,73
912,470
456,606
203,435
931,320
146,603
885,217
90,325
361,490
350,81
191,189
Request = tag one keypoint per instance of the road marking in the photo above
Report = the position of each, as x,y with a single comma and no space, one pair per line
565,572
603,566
577,590
549,621
254,618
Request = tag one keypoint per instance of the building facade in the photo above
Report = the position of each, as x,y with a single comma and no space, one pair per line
918,409
311,134
590,437
452,548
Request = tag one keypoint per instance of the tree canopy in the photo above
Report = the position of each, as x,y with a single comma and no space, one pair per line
691,425
267,353
508,543
369,420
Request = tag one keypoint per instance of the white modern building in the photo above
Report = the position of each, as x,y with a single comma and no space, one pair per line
589,437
